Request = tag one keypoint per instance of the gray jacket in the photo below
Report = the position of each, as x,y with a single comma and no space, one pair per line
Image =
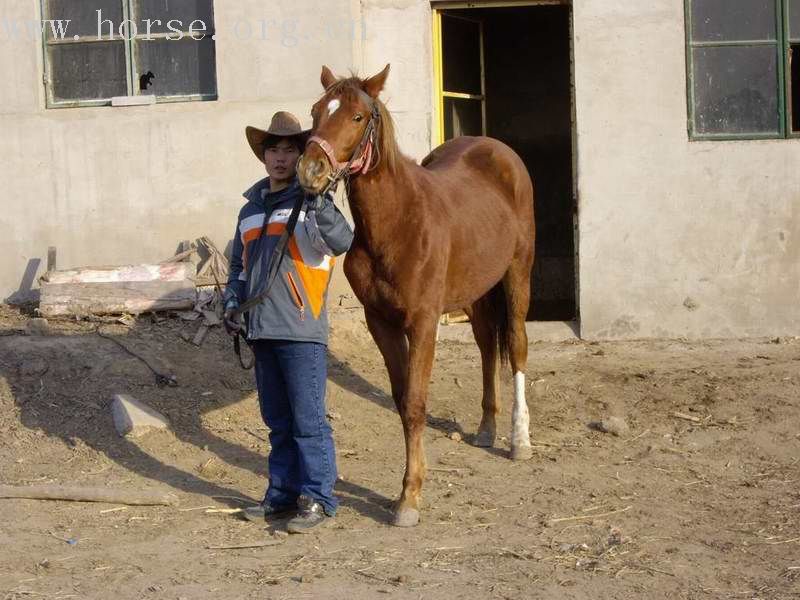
295,307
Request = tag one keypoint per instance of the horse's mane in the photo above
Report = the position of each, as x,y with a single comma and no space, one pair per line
387,147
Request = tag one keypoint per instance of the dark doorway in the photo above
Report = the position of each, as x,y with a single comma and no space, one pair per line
522,95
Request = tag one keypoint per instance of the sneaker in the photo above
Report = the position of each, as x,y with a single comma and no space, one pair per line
265,510
310,515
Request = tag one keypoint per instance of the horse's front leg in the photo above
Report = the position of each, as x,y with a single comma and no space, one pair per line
422,343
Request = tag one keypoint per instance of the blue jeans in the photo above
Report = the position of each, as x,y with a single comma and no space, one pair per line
291,379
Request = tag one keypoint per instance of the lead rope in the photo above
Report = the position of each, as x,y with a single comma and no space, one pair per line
278,253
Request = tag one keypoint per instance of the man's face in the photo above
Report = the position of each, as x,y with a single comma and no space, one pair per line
281,160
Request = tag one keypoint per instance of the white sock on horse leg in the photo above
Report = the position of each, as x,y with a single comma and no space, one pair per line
520,419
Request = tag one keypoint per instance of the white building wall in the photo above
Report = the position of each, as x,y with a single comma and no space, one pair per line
113,185
676,238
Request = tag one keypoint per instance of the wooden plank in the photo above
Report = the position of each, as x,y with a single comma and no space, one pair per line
115,298
451,318
51,258
200,336
132,497
177,271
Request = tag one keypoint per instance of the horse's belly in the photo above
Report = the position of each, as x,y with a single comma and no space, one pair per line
466,283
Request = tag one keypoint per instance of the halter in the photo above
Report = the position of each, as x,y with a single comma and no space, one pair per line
360,161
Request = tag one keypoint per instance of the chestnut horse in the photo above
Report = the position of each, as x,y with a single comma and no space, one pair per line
456,232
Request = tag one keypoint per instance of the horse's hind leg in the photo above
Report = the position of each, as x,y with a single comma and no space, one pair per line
485,333
516,285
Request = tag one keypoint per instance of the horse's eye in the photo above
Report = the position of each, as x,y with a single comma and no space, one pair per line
358,118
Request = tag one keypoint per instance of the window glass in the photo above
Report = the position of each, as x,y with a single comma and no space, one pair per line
185,11
88,71
179,67
462,117
736,90
733,20
461,55
83,15
794,19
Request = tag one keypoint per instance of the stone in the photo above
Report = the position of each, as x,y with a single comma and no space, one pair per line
211,318
133,418
35,367
613,425
37,327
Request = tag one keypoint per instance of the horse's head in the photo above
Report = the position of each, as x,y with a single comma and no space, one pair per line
345,129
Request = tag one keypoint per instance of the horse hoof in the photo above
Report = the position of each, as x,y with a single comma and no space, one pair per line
406,517
521,452
484,439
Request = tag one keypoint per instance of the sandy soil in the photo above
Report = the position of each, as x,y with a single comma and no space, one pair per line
704,503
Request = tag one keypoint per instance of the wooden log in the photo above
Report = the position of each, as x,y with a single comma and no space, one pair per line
132,289
175,271
131,297
89,494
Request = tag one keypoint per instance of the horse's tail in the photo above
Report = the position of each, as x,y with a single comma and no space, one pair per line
499,319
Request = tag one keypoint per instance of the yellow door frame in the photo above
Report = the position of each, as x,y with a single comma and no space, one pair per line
438,67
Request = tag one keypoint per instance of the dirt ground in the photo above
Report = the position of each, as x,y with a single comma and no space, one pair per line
704,503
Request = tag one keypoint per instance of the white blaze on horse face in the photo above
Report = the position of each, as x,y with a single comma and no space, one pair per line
520,419
333,106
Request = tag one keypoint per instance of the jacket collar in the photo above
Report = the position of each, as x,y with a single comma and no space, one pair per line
260,194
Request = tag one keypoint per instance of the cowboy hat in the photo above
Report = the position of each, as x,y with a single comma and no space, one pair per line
283,124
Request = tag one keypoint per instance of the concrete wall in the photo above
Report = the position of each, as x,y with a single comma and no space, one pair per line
677,238
124,185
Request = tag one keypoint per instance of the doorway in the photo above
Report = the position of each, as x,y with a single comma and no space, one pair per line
505,70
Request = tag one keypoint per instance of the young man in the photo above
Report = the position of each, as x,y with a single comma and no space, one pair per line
288,329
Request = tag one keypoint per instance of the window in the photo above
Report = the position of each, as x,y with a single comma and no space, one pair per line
97,49
460,76
742,83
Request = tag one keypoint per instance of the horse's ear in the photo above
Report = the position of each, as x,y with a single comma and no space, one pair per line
327,78
374,85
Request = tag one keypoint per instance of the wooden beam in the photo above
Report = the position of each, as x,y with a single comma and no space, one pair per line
89,494
51,259
132,289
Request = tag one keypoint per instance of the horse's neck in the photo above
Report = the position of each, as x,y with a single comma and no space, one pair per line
380,202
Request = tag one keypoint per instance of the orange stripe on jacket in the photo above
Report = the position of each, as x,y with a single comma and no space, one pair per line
252,234
314,281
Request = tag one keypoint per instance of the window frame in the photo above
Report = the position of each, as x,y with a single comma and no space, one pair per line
130,57
783,78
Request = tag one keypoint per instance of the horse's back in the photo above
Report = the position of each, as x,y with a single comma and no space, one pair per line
478,161
477,151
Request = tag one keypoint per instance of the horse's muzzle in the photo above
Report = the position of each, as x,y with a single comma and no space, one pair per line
314,170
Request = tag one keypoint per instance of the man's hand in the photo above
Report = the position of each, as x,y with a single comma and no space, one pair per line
231,320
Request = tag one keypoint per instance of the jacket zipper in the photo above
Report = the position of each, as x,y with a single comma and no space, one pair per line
298,299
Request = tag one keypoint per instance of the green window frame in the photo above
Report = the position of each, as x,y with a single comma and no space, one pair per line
113,64
719,62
